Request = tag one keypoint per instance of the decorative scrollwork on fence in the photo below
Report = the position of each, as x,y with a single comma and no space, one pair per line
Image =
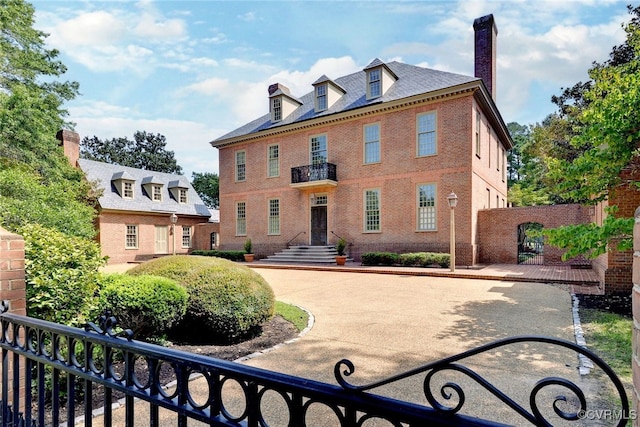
106,326
453,395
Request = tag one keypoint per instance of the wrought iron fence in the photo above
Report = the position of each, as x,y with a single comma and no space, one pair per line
48,362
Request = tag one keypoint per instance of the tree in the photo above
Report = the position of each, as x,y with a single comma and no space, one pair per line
206,185
147,151
609,139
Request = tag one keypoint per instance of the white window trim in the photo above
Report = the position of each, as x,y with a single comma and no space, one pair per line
189,235
238,231
126,235
271,232
435,208
181,192
364,210
435,133
276,111
478,133
124,189
269,159
318,107
326,139
369,82
364,143
244,178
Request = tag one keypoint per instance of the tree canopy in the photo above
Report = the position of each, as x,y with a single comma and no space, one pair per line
146,151
206,185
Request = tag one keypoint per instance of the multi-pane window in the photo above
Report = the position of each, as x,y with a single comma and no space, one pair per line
214,240
478,121
241,219
276,109
426,134
157,193
318,149
128,189
321,97
426,207
274,216
372,210
504,170
498,155
182,196
241,160
273,161
186,237
131,238
375,83
372,143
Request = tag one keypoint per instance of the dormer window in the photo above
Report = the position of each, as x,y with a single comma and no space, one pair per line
127,191
180,191
321,97
152,187
380,78
182,196
276,109
157,193
375,83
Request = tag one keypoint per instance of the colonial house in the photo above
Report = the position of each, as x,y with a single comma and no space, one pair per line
144,214
370,157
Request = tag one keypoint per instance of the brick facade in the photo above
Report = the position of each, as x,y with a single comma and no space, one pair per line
498,228
478,181
635,296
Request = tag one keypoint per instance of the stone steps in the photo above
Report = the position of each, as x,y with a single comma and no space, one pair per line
305,254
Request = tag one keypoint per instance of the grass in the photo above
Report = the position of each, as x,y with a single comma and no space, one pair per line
609,336
293,314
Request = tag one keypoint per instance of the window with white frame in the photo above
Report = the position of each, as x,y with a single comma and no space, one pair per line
276,109
426,127
372,143
478,122
213,238
131,237
321,97
318,149
372,210
374,86
274,216
273,161
182,196
426,207
186,237
241,160
157,193
127,189
498,154
504,169
241,219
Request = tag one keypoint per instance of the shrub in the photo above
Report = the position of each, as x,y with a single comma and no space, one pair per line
61,275
227,301
230,255
148,305
379,258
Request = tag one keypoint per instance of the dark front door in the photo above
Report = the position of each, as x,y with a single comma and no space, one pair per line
318,225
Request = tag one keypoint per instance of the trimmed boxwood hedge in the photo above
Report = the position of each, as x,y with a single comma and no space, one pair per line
417,259
228,302
230,255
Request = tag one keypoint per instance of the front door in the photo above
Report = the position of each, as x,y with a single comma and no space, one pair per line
162,236
318,225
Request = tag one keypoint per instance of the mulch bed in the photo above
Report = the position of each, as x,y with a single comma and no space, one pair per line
616,303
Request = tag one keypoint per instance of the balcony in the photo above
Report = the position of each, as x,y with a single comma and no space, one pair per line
318,175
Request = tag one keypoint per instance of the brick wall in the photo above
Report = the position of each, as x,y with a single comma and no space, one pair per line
12,289
498,228
397,175
635,295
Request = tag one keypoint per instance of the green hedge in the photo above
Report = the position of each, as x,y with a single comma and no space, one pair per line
230,255
417,259
148,305
227,301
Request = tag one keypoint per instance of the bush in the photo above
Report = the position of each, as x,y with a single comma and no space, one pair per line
417,259
227,301
61,275
380,258
230,255
148,305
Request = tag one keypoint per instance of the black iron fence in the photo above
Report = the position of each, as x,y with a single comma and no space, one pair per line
47,367
317,172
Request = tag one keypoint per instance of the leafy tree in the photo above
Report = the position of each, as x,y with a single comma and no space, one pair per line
608,141
147,151
206,185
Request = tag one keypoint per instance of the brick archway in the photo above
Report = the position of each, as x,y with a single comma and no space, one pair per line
498,230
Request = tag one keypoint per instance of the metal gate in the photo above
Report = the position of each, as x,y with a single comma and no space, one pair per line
530,244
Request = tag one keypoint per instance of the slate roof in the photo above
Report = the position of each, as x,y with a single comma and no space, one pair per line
105,173
412,80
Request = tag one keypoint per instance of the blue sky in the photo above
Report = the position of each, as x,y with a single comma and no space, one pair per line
195,70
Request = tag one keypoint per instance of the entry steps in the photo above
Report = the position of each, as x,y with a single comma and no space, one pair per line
305,254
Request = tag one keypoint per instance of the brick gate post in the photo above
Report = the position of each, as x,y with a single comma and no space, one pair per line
635,295
13,289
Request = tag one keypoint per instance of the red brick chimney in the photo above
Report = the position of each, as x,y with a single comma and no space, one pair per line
70,142
486,34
